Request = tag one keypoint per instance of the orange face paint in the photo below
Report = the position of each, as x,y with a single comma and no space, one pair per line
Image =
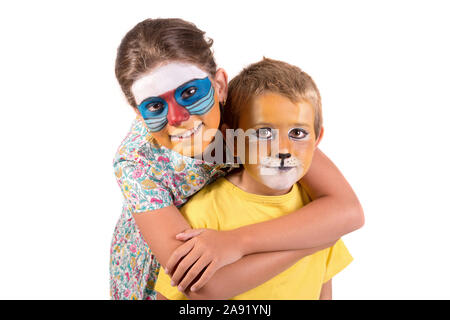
284,140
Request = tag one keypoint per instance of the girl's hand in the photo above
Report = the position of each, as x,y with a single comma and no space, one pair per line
189,234
205,250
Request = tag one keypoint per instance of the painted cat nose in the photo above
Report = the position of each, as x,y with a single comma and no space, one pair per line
283,155
177,114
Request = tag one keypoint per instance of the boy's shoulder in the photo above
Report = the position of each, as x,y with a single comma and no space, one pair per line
209,194
203,207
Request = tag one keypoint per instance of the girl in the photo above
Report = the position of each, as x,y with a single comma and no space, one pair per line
167,72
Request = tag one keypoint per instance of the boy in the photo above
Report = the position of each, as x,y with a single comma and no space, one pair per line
278,107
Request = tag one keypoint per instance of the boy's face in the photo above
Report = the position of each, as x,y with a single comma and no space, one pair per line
180,106
277,120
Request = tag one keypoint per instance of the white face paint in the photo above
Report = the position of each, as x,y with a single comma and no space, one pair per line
276,177
165,78
276,162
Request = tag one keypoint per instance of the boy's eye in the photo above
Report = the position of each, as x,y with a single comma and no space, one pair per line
297,133
264,133
189,92
155,107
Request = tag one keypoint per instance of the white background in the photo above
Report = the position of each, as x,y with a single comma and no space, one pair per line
383,70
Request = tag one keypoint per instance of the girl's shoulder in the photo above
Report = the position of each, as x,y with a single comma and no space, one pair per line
140,150
140,155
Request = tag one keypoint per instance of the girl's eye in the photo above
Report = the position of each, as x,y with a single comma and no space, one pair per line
297,133
155,107
189,92
264,133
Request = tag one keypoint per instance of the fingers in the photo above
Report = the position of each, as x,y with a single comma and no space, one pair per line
206,276
179,253
194,272
188,234
184,265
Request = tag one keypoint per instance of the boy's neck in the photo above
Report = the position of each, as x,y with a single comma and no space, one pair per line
244,181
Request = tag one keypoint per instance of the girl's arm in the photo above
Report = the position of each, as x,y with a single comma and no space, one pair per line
159,228
248,273
334,212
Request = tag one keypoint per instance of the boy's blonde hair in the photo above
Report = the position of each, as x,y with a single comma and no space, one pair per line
270,75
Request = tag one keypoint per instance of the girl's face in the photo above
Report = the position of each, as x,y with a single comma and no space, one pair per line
179,102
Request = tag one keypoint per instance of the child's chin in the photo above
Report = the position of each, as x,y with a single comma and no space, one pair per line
276,179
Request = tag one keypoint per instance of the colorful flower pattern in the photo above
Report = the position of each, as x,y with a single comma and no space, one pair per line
151,177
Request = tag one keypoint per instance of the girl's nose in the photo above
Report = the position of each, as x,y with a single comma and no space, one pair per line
177,114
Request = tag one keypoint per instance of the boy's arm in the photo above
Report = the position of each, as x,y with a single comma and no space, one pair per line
326,292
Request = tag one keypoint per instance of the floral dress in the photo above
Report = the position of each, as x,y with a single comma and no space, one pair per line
151,177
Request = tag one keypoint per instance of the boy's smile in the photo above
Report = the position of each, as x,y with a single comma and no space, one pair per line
283,139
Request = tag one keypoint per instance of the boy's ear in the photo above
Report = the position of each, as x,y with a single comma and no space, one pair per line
319,138
221,84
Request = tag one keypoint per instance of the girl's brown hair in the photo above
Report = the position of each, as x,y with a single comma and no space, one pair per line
156,41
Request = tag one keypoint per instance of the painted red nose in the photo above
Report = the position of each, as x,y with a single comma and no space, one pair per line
176,114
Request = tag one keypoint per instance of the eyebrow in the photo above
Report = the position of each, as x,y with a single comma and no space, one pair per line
193,79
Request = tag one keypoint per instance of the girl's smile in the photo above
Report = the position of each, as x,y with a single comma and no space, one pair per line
187,134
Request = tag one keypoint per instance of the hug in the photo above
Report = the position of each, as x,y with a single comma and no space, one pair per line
267,226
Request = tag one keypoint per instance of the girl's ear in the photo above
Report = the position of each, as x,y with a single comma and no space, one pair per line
221,84
319,138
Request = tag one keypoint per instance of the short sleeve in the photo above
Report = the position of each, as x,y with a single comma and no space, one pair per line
338,259
142,190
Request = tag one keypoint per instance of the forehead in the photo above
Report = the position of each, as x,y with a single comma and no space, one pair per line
277,110
165,78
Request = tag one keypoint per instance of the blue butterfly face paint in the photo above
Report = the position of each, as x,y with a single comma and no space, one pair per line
154,111
195,97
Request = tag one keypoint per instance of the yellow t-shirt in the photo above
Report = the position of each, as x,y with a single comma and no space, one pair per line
223,206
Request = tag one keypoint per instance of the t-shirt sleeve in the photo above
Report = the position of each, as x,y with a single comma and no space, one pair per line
143,191
338,259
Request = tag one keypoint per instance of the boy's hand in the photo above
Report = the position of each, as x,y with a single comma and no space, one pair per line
205,250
